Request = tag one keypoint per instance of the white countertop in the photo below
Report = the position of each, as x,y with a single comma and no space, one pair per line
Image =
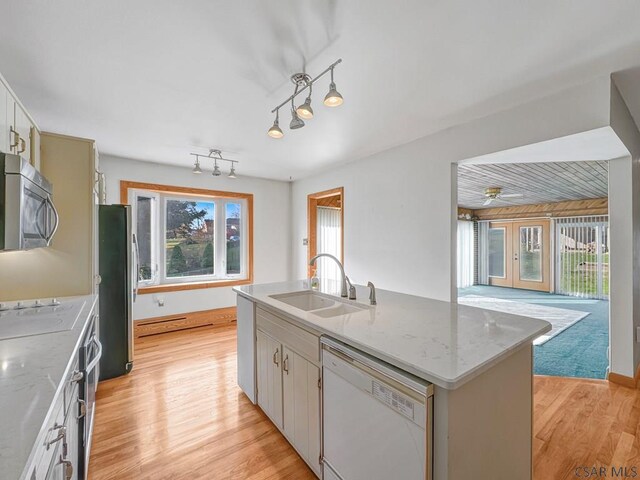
31,372
444,343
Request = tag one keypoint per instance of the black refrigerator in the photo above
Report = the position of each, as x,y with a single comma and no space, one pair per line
118,282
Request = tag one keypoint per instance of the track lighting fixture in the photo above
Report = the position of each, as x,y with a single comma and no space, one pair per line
303,112
196,169
216,156
333,98
296,122
275,131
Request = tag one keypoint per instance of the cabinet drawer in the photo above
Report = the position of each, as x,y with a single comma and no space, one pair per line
305,343
43,455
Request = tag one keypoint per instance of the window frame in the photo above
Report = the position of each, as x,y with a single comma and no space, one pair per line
162,193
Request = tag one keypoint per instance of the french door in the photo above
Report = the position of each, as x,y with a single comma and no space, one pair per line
519,254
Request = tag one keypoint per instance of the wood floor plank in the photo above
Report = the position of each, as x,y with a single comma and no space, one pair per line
180,415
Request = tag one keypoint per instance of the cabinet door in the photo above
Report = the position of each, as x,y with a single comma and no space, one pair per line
35,148
269,353
4,119
301,405
23,127
245,347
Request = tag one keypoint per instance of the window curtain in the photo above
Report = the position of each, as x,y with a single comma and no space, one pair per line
465,254
329,241
483,253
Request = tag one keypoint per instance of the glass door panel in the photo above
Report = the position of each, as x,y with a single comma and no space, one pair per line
497,252
530,252
500,251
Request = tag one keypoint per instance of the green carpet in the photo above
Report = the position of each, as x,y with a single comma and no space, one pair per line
579,351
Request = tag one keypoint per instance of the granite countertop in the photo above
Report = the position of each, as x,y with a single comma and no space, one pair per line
32,369
444,343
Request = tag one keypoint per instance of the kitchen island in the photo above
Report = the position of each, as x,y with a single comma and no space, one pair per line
478,361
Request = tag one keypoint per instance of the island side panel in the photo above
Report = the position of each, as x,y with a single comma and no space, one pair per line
484,428
246,347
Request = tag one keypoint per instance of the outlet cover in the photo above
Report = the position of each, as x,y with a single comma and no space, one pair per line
305,241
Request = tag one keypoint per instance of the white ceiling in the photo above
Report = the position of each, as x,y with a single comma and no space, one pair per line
156,79
537,182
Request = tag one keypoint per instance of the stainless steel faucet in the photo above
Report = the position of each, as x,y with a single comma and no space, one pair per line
344,293
372,293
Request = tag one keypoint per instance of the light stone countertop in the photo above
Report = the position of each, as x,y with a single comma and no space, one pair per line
31,373
444,343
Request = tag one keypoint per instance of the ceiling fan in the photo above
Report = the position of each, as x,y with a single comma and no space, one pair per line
495,193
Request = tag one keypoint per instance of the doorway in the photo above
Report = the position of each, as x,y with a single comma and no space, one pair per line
519,253
533,240
325,221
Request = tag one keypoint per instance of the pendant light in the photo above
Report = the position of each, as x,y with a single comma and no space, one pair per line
296,122
216,170
333,98
275,131
305,111
232,172
196,169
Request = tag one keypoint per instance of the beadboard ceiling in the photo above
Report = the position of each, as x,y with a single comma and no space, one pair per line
157,79
539,182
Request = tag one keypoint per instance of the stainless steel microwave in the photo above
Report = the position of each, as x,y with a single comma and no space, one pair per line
28,218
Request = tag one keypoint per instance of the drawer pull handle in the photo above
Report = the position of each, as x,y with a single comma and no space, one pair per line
275,356
23,145
77,376
68,468
285,364
62,435
82,408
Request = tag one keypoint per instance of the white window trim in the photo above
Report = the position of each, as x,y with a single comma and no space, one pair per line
158,237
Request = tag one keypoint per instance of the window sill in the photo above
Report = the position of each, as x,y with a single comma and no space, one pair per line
175,287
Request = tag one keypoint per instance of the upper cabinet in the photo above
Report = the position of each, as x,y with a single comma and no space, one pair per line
18,133
4,119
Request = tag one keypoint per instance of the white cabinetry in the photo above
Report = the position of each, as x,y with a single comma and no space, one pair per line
18,133
246,347
4,119
288,381
301,405
269,354
22,125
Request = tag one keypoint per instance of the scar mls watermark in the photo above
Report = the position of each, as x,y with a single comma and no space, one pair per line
607,472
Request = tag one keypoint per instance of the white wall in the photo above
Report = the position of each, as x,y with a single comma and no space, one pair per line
400,207
624,211
271,229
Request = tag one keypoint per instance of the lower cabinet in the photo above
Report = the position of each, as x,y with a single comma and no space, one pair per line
289,387
269,353
301,405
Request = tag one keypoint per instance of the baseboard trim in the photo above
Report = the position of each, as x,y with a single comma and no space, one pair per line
183,321
631,382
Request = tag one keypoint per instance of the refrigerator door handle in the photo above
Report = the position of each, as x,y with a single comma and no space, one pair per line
136,266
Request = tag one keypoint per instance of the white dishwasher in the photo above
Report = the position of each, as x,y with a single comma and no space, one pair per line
377,420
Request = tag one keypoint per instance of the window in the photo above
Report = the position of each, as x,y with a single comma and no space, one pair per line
190,238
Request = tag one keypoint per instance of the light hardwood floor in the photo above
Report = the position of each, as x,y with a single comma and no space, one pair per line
180,415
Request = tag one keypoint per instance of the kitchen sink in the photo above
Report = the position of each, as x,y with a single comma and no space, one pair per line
305,300
340,309
318,304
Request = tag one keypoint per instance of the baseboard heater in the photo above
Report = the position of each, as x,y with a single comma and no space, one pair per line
185,321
